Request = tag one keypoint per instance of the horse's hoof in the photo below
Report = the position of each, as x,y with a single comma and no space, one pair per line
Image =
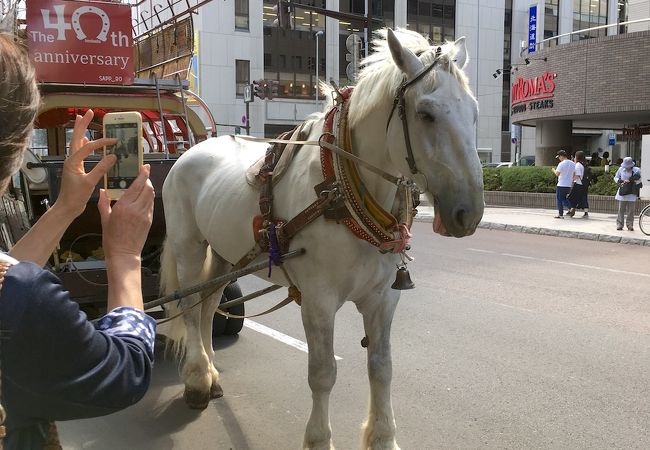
197,399
216,391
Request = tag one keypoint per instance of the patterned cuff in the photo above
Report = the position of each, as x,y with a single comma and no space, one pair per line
127,321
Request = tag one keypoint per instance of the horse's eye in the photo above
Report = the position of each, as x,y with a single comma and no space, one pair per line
425,116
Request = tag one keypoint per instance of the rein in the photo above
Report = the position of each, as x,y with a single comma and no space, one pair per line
321,142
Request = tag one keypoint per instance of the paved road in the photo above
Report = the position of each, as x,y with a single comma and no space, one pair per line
509,341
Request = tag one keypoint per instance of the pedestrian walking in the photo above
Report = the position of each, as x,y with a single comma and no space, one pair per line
628,178
564,173
579,190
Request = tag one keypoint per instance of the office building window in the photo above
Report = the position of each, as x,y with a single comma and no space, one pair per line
434,19
293,52
589,14
242,75
241,15
381,9
622,15
551,21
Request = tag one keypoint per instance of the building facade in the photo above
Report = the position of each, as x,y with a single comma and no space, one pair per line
578,80
238,42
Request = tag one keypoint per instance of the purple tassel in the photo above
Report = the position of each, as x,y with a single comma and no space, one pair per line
274,250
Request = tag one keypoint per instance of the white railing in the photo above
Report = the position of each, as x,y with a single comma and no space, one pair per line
541,44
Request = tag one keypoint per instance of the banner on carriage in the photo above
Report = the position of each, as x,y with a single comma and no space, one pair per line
80,42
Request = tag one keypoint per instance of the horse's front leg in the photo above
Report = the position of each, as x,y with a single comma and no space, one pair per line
318,320
379,429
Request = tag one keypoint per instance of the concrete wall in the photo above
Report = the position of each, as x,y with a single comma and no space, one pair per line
482,24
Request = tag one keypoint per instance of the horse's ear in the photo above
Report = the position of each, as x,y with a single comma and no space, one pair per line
461,53
404,58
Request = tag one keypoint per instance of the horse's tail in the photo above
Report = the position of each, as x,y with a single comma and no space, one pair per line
169,283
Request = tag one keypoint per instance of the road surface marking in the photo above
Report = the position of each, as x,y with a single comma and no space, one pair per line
514,307
293,342
479,250
584,266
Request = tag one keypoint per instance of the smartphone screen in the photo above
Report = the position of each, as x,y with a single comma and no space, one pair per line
126,169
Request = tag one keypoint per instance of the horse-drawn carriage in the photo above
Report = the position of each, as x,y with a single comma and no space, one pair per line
173,117
79,259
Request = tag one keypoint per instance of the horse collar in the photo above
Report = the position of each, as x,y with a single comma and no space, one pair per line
359,211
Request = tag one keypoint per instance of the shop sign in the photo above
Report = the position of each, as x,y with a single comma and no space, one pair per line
530,94
636,131
532,28
80,41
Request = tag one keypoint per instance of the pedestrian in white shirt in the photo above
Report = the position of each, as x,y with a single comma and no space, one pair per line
564,173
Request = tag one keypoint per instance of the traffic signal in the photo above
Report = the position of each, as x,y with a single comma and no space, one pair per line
283,12
259,89
272,89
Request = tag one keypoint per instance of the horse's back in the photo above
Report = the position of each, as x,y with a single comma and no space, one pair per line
206,193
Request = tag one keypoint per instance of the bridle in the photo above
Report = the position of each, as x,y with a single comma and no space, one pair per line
399,102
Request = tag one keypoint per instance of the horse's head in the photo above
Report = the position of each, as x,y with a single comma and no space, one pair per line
440,113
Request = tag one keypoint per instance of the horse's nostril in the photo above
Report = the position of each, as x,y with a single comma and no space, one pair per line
461,216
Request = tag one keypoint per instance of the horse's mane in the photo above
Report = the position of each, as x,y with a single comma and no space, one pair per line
379,77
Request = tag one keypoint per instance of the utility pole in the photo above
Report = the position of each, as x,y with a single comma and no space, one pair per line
317,35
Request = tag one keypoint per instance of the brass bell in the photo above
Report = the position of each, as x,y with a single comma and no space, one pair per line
402,280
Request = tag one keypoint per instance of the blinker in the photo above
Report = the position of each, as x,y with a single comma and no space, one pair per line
402,280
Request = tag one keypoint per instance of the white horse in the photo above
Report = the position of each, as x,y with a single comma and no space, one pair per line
209,209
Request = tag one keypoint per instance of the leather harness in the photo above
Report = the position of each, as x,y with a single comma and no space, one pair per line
399,102
273,235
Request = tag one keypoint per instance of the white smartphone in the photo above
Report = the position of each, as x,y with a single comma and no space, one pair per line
126,127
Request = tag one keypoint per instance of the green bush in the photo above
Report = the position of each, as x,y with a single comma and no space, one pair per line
603,183
542,179
491,179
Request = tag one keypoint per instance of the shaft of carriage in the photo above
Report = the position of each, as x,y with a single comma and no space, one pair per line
219,281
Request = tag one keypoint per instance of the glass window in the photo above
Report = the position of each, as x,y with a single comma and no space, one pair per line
589,14
622,16
292,60
242,75
241,15
434,19
551,21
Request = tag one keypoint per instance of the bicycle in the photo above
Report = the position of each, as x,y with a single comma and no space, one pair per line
644,220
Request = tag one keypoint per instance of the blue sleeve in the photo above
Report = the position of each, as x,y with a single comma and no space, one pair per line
55,364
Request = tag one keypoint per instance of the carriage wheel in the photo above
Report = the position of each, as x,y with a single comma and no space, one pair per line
234,326
222,325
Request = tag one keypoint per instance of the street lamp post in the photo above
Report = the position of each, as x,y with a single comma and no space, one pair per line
317,35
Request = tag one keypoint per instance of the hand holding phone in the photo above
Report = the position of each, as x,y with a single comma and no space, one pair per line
126,127
126,224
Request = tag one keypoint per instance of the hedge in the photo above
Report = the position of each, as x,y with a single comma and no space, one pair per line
542,179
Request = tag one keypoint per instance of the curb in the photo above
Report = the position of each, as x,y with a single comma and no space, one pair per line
566,234
551,232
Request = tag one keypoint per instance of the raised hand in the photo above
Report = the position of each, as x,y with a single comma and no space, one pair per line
76,185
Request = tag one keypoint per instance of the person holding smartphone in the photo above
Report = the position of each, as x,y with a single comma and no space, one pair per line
55,364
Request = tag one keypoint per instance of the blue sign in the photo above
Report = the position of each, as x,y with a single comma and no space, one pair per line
612,139
532,28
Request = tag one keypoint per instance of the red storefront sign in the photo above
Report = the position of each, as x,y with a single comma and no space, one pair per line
80,42
527,89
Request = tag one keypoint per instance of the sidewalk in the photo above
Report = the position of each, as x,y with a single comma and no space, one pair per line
598,227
